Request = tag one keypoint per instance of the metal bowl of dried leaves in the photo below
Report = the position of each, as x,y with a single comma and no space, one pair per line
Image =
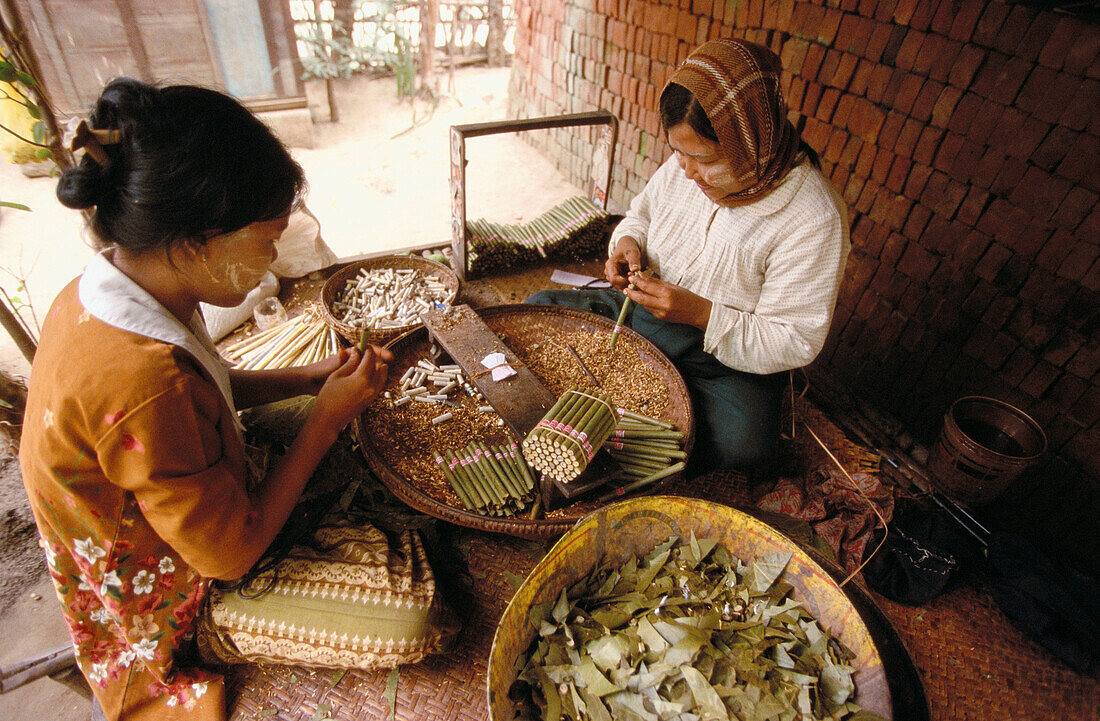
391,276
660,606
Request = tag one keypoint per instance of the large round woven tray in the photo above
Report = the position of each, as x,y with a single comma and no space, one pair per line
633,528
338,280
532,322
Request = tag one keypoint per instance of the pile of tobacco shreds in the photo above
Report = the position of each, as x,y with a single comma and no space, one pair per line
685,633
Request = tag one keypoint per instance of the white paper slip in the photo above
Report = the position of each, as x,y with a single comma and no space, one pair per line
500,369
577,280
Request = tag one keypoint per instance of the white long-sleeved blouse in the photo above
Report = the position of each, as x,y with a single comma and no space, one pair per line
771,269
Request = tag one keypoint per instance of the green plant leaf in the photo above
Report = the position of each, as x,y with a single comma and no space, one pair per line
39,131
17,206
7,72
43,154
33,110
26,79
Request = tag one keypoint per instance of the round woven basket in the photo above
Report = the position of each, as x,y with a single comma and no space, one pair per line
615,533
520,321
338,280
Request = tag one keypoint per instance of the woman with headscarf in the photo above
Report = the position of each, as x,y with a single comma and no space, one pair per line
744,243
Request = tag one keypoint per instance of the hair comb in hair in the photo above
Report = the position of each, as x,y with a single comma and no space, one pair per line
93,140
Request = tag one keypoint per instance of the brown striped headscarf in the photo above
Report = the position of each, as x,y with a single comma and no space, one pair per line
737,84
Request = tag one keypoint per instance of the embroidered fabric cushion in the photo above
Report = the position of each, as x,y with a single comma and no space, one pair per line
350,599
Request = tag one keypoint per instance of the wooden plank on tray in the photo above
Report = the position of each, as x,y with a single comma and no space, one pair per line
521,400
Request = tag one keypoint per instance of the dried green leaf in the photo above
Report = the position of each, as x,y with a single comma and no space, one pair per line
321,714
389,695
514,579
706,698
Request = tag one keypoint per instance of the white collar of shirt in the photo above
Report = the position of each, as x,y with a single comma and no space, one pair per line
782,194
110,295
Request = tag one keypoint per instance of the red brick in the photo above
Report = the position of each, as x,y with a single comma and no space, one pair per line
966,65
1075,208
908,137
1092,278
865,160
888,135
1039,379
1011,173
922,16
880,38
880,167
1081,162
827,104
971,249
835,147
815,55
899,172
966,162
945,105
966,18
985,122
844,111
1057,47
992,261
918,176
893,45
903,11
1090,226
973,205
1013,33
925,151
994,216
1008,129
686,25
908,88
1082,54
811,98
880,78
1018,364
910,47
866,120
926,100
1086,361
988,25
1039,27
917,221
851,151
861,78
1081,257
1081,109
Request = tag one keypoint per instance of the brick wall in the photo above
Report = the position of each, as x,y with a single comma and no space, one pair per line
963,136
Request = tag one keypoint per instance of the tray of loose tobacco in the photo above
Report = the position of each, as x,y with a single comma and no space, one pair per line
672,608
430,423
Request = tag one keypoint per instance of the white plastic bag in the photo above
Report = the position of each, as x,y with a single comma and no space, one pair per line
221,321
301,248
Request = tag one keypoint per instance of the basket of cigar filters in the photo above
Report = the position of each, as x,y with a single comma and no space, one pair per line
384,297
675,608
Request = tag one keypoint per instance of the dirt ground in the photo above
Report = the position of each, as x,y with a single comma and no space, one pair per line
378,180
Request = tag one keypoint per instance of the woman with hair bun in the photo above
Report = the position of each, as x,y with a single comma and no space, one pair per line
132,452
745,243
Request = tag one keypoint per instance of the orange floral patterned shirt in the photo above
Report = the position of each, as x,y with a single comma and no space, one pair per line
137,477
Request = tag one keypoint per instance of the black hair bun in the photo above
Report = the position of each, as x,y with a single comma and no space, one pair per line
83,186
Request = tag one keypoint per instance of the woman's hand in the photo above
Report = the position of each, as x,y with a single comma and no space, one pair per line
669,302
626,259
352,385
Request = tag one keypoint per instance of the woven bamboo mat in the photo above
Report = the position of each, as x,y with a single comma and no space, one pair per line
974,664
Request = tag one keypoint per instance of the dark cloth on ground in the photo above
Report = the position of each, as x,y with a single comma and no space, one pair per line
737,414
